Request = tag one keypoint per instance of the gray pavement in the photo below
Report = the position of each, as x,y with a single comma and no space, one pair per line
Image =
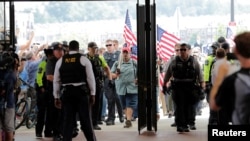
118,133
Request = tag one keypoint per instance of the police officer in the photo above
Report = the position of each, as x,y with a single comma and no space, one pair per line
73,72
207,65
210,60
112,55
53,113
99,65
184,71
42,98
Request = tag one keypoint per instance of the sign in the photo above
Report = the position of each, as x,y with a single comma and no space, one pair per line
232,23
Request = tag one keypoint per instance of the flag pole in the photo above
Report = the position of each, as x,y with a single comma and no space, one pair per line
119,64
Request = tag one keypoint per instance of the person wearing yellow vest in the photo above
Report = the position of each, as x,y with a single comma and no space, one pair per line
207,67
42,98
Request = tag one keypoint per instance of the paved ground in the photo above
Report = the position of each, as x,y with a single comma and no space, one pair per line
118,133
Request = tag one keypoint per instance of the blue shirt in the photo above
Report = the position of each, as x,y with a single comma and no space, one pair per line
10,79
31,68
24,76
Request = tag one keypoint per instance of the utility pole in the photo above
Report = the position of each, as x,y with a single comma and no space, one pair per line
232,10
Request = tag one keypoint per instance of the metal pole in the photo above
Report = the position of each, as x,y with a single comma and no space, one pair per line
232,10
12,23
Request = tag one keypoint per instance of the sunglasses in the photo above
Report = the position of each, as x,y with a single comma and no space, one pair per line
177,50
108,45
183,49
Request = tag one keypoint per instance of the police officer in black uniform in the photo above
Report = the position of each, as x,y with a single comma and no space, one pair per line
73,72
53,113
112,55
184,72
99,66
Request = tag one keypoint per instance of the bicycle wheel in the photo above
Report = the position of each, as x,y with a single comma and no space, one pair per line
22,110
31,119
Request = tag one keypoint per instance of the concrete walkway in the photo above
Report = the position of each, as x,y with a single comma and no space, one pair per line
118,133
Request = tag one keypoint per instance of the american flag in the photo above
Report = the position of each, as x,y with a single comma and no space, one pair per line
129,37
165,47
134,52
165,43
230,34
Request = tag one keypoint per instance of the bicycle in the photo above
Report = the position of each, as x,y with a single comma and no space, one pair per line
25,114
22,111
31,118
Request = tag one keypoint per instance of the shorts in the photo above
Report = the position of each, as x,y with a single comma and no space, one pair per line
129,101
8,125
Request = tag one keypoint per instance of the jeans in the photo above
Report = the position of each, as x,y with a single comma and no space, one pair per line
104,106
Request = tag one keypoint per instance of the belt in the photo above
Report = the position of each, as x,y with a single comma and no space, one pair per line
72,86
183,80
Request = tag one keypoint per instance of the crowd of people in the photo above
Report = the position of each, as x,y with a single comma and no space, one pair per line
223,78
68,86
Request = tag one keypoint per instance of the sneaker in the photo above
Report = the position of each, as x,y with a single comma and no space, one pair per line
185,129
96,127
170,115
192,127
110,122
173,124
128,124
38,136
57,138
121,118
180,129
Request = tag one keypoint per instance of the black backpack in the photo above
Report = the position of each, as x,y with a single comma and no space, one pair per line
6,62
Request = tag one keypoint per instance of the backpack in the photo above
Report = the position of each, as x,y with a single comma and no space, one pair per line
6,62
134,67
241,113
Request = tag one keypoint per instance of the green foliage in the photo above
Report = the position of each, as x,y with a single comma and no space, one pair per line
83,11
70,11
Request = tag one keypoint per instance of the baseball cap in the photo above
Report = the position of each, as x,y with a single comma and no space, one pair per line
56,46
92,45
127,49
48,51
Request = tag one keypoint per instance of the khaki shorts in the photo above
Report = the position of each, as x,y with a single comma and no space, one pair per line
8,124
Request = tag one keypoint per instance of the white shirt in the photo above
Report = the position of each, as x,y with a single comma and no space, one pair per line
232,67
89,74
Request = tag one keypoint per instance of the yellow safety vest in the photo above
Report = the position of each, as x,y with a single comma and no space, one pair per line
207,67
